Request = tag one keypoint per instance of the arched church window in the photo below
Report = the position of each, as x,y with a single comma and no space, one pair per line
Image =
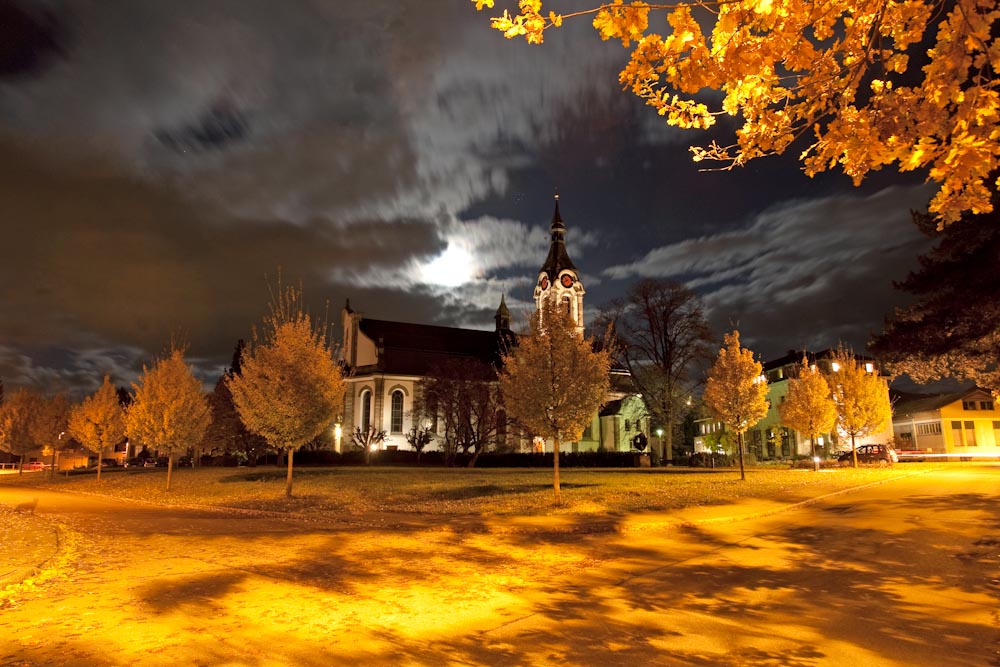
396,420
366,410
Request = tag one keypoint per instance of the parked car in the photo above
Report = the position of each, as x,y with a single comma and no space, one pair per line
881,455
36,465
149,463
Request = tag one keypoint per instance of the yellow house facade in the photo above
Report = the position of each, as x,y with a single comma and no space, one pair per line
963,424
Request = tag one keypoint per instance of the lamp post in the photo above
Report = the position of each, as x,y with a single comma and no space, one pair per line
338,434
659,435
55,454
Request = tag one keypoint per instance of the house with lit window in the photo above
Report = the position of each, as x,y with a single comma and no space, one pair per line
964,424
769,439
385,361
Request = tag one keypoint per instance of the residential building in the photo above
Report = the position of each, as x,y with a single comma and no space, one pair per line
965,424
769,439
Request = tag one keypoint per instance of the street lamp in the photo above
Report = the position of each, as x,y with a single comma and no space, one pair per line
659,434
55,454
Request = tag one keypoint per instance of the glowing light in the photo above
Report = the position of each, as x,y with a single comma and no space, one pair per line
835,366
454,267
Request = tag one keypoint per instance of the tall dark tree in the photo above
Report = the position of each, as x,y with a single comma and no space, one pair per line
661,336
124,397
227,432
466,396
953,327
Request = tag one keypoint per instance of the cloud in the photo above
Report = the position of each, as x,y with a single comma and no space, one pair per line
803,272
78,372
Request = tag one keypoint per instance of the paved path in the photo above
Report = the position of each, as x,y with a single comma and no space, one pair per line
901,574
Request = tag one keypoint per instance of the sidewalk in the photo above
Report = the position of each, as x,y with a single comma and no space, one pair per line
27,542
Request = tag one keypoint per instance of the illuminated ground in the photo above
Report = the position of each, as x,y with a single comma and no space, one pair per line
901,573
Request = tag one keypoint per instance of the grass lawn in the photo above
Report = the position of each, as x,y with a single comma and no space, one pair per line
350,491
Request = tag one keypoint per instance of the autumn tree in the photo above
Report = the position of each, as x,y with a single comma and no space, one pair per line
554,380
952,329
661,334
98,422
736,393
48,424
808,407
290,387
911,83
16,414
169,411
861,397
465,396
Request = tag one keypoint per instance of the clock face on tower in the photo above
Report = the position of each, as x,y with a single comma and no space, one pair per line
567,280
544,282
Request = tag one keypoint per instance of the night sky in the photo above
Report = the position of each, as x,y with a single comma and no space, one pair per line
159,159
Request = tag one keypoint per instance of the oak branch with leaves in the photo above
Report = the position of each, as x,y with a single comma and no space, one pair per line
868,83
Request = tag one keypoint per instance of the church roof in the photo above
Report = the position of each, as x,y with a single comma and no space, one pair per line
415,349
558,259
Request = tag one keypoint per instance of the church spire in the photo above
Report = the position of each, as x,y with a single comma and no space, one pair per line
558,278
558,259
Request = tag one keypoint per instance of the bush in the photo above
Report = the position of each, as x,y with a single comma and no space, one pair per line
807,463
709,460
566,460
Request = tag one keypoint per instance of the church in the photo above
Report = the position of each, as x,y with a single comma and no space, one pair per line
385,362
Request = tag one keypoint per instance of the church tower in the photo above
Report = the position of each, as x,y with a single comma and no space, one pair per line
558,277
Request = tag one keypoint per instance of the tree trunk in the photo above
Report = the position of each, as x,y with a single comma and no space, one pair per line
667,455
288,477
170,468
555,469
52,471
739,441
100,454
854,453
812,440
475,456
20,465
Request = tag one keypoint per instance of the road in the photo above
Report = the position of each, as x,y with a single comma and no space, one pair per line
906,573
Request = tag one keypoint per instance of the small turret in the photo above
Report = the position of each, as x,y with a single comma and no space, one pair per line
503,316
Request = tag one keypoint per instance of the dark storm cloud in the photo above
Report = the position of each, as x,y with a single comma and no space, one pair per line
31,40
96,262
805,273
